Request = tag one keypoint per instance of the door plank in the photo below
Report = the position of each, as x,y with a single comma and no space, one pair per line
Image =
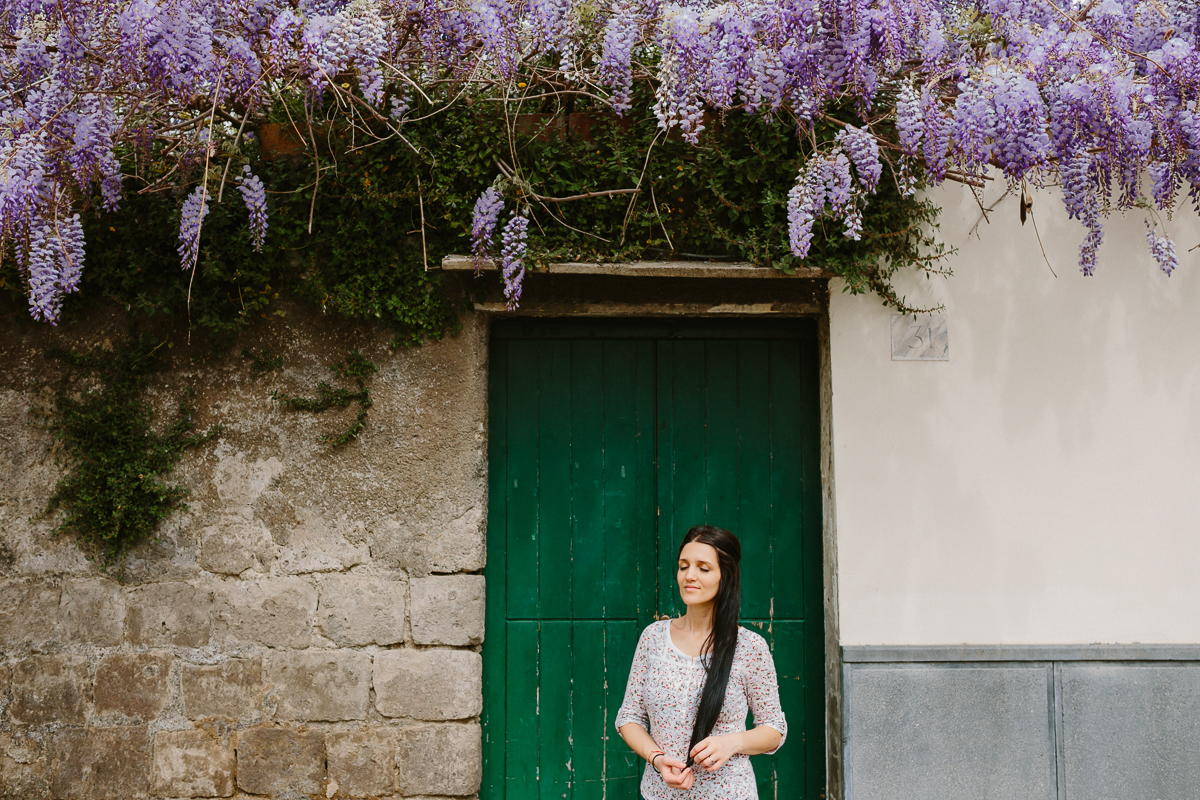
787,587
587,754
555,713
587,479
664,511
623,767
554,475
813,699
620,473
721,434
520,769
522,528
496,624
645,486
754,478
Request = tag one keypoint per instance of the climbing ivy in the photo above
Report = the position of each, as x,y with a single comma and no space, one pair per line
113,496
355,367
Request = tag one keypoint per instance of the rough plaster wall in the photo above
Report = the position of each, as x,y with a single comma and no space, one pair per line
1040,486
310,626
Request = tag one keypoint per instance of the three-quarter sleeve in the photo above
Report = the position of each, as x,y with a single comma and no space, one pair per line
633,708
762,687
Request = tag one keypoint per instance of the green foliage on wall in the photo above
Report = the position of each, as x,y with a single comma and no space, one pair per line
356,367
355,222
114,496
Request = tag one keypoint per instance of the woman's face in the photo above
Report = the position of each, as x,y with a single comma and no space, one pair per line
699,573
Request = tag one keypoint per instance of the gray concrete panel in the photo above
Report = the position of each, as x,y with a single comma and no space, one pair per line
1130,731
938,732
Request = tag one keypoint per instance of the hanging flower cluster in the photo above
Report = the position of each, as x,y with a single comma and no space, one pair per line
1094,95
512,258
483,224
255,196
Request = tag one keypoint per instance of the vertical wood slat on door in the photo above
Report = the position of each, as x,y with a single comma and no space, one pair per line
555,711
812,520
621,515
587,759
645,487
495,653
554,479
754,477
587,568
522,484
521,734
787,496
721,480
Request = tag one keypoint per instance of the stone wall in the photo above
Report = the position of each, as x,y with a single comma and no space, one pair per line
309,626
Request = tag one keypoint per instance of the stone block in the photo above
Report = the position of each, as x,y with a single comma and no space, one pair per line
356,611
316,544
100,764
49,689
362,763
235,544
435,537
192,764
23,764
1130,730
441,759
448,609
324,685
932,731
273,613
92,610
133,684
228,689
278,760
169,613
429,684
28,614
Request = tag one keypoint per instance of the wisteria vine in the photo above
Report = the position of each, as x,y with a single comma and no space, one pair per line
1094,95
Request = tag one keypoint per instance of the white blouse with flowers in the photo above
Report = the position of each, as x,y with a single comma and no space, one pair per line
663,694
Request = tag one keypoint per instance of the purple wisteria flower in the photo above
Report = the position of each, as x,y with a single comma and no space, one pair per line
483,224
191,217
53,265
1162,248
512,253
255,197
1105,102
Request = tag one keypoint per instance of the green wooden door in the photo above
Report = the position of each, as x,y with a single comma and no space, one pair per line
608,440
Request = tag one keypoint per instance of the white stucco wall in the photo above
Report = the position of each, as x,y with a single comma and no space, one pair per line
1043,485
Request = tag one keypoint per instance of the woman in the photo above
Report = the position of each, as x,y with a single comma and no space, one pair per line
693,679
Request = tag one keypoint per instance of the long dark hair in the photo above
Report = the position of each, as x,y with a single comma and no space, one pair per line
722,639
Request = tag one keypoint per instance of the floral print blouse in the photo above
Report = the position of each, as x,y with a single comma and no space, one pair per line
663,694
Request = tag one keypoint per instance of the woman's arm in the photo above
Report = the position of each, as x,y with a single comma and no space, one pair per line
762,695
639,741
759,739
711,754
672,770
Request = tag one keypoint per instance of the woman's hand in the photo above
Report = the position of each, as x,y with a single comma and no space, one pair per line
711,754
675,774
